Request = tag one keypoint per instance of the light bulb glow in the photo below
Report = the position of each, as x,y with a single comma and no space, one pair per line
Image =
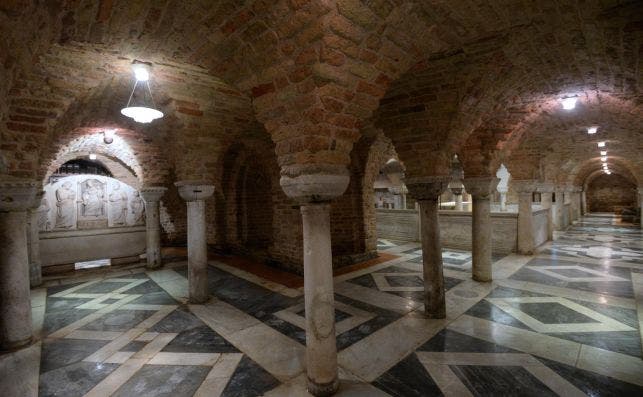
141,73
592,130
142,114
608,172
603,152
569,103
92,156
601,144
604,158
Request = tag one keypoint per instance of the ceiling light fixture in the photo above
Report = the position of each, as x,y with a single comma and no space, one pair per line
604,158
92,156
569,103
608,172
601,144
108,136
592,130
603,152
141,107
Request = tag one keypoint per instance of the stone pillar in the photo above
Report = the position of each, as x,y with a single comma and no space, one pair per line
558,208
579,202
33,243
152,196
16,197
640,190
481,190
545,190
525,190
195,193
427,191
315,192
583,202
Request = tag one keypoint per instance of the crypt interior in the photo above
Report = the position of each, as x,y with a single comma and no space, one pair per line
321,197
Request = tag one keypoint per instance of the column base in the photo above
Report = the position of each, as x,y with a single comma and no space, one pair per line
153,266
323,389
436,316
10,346
198,300
481,279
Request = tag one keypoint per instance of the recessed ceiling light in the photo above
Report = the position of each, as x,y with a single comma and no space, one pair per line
601,144
603,152
569,103
592,130
604,158
92,156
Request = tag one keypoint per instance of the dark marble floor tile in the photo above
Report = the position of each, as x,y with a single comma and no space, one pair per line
147,287
57,353
57,320
119,320
505,292
164,381
626,342
591,383
489,311
62,304
501,381
60,288
110,301
553,313
394,269
102,287
155,298
626,316
199,339
408,378
290,330
133,346
74,380
451,341
249,380
177,321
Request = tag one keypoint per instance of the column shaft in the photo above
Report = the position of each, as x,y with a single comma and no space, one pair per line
153,233
15,305
434,302
197,252
525,224
481,238
458,202
321,349
33,237
546,201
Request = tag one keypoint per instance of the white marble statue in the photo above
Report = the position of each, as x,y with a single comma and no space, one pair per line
138,208
65,203
118,205
43,215
93,197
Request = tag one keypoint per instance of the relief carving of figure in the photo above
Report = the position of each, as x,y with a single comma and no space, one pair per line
138,208
93,198
43,215
66,198
118,205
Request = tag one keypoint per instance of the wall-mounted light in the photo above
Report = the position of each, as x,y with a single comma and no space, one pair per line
601,144
603,152
92,156
592,130
108,136
569,103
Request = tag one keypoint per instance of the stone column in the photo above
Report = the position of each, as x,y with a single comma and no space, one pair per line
640,190
16,197
152,196
315,192
525,190
545,190
481,190
33,243
427,191
558,207
583,202
579,202
195,193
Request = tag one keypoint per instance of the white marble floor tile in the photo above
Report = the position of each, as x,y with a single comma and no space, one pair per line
376,298
219,376
172,282
171,358
19,372
608,363
270,285
93,335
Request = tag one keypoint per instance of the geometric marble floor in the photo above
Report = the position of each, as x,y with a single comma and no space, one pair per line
566,321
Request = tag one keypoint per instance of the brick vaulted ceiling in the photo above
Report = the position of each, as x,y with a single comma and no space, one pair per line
478,78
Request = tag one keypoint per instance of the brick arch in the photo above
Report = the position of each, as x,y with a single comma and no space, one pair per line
585,171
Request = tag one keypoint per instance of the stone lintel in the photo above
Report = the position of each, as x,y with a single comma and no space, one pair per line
545,187
152,193
427,188
194,190
524,186
17,195
481,187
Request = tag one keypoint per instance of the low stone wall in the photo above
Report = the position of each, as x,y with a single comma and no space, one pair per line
455,228
64,247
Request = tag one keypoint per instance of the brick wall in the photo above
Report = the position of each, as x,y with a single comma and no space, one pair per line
610,193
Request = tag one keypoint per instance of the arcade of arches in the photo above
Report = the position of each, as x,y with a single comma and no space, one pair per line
343,197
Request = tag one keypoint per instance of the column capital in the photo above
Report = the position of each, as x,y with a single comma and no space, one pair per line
315,188
152,193
17,195
427,188
524,186
36,202
194,190
481,187
545,187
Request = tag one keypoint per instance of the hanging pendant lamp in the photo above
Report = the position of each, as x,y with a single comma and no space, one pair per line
140,106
